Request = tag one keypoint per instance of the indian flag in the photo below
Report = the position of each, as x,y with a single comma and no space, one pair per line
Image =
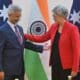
35,65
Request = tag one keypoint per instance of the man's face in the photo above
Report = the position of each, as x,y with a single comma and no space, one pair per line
14,17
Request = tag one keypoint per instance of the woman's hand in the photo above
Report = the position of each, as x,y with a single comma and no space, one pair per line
46,47
73,74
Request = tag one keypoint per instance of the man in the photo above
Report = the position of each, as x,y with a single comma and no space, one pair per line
12,46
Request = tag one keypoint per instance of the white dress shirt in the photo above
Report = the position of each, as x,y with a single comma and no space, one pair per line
11,25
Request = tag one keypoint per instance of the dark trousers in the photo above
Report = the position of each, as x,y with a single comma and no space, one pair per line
59,74
13,77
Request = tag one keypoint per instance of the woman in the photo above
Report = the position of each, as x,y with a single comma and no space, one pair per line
65,45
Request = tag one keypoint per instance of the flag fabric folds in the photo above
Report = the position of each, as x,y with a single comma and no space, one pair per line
75,13
38,18
33,66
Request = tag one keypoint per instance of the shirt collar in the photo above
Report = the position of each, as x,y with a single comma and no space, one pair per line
11,25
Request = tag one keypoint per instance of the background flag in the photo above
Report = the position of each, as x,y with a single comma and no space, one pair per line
3,10
75,13
39,19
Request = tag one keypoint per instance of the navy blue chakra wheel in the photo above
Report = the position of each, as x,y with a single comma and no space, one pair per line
38,28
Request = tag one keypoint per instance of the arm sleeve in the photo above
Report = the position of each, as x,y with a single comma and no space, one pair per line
40,38
34,47
76,49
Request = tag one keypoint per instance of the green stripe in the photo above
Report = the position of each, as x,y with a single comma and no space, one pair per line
33,66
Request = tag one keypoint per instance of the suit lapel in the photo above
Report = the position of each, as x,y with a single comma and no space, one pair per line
12,34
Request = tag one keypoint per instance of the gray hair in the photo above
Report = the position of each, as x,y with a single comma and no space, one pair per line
13,9
61,11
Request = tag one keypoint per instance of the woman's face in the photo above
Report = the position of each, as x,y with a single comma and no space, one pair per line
57,18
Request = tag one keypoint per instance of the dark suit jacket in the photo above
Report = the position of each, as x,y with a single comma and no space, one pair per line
11,51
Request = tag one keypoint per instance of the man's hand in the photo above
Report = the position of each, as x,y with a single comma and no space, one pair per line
1,75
